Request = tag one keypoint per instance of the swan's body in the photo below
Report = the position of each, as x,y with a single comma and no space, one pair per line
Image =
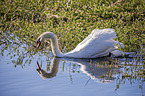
98,44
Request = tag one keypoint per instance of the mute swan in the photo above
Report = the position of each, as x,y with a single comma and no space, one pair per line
98,44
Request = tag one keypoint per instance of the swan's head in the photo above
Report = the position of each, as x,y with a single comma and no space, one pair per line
43,36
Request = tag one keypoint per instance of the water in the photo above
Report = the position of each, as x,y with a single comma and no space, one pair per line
20,75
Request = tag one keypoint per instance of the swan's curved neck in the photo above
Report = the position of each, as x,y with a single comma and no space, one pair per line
54,43
55,47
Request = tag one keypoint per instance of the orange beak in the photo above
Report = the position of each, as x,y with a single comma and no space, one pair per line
39,43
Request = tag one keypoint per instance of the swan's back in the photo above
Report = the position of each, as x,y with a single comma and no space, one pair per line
104,33
99,43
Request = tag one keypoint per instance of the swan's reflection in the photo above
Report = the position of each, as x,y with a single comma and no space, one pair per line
53,72
87,66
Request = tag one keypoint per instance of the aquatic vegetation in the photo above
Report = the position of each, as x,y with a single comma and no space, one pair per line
21,22
73,21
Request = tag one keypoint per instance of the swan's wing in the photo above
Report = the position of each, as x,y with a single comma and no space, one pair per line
93,49
98,43
96,35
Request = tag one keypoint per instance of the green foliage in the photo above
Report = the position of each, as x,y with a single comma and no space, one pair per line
74,20
22,21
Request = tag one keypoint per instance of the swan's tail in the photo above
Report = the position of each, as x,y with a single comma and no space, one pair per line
118,53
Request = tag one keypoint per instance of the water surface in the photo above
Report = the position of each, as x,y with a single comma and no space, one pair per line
21,76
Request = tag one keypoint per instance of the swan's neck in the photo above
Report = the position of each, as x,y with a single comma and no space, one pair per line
54,43
55,47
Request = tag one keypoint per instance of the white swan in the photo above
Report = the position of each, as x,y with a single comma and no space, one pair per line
98,44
